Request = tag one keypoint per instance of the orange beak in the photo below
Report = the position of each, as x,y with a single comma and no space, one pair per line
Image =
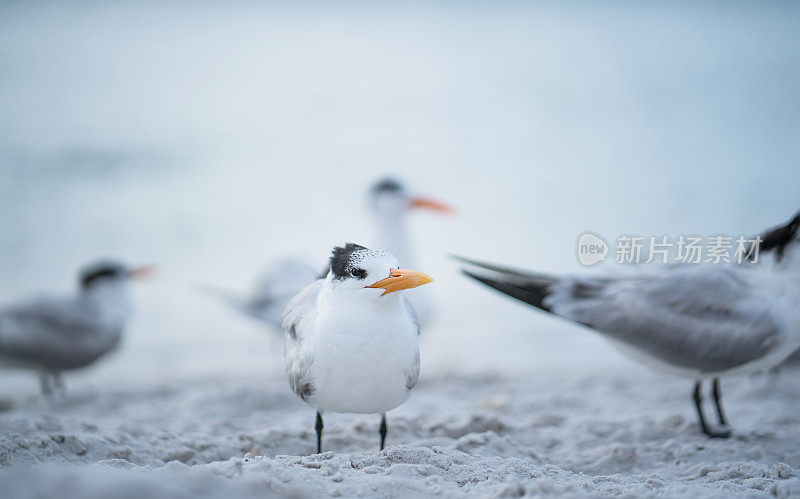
401,279
142,272
432,205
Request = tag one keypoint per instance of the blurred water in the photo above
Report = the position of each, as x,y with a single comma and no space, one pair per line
211,139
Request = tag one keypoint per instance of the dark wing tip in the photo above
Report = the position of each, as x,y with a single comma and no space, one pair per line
530,292
468,261
489,266
459,258
778,238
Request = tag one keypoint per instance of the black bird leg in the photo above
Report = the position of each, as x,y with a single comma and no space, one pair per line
698,403
717,396
319,427
383,430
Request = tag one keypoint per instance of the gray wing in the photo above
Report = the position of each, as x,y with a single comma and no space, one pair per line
412,376
298,319
264,308
709,318
412,313
282,280
50,334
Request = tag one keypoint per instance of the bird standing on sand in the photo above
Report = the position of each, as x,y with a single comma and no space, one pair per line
698,321
52,335
389,205
352,338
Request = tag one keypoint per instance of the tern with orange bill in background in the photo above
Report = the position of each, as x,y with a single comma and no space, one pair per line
352,337
52,335
389,204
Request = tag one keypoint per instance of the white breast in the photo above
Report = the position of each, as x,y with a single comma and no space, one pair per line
361,360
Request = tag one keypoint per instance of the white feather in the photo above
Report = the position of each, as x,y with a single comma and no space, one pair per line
350,349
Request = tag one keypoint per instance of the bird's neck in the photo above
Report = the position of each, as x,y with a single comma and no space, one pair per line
392,235
110,301
353,302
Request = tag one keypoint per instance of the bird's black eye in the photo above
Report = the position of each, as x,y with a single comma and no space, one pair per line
358,273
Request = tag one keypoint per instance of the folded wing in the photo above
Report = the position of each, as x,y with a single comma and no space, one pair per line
298,319
709,318
54,334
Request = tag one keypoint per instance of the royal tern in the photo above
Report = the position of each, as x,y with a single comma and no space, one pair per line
698,321
51,335
352,338
389,205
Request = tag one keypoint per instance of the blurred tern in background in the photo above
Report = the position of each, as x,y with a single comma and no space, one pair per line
352,338
389,205
697,321
51,335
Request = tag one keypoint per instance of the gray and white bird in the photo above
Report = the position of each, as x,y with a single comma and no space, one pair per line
52,335
352,337
697,321
389,205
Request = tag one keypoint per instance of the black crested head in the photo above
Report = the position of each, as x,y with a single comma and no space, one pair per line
387,185
779,238
97,271
340,259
